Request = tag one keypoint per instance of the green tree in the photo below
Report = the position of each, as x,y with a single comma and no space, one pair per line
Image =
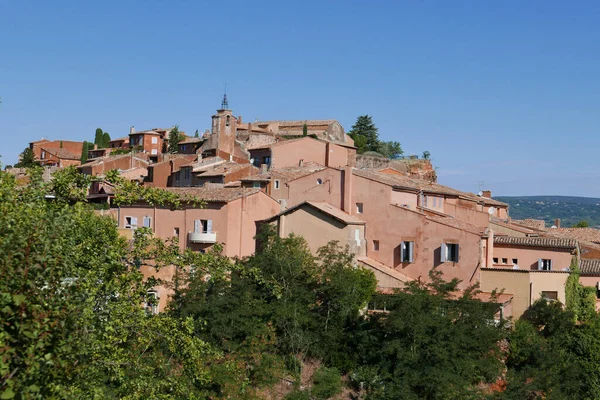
581,224
84,151
304,130
365,128
27,159
105,140
99,138
390,149
426,155
196,134
174,138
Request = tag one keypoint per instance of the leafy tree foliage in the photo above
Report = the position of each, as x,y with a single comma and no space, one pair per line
426,155
581,224
87,146
174,138
304,130
552,356
27,159
366,139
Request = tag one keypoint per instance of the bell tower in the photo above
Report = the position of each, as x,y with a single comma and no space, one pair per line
224,126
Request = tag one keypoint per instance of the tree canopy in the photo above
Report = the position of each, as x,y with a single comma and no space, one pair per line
366,138
27,159
101,139
174,138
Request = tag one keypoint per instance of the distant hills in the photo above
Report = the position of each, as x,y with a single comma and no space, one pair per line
569,209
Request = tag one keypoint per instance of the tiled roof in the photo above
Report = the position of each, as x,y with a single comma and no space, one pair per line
101,160
583,234
515,227
327,209
458,224
300,123
225,169
124,138
215,194
554,243
287,173
260,146
589,267
406,182
369,262
191,140
539,224
62,153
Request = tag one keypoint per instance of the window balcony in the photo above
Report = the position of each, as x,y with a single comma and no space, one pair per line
202,237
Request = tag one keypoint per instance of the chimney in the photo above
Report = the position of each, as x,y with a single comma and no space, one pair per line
486,193
347,202
301,162
95,146
131,130
557,222
264,168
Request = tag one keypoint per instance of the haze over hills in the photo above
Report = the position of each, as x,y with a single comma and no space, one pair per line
569,209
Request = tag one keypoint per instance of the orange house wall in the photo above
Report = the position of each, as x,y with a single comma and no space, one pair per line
528,257
287,155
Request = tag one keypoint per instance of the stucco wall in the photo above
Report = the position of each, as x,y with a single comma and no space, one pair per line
391,225
400,198
528,257
525,286
307,149
318,229
338,156
307,188
477,218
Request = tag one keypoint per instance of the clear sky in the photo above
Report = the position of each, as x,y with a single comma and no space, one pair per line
504,92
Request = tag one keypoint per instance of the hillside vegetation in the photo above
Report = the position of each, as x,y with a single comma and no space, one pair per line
571,210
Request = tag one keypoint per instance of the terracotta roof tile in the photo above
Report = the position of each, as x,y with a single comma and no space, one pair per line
225,169
406,182
589,267
215,194
584,234
287,173
554,243
62,153
538,224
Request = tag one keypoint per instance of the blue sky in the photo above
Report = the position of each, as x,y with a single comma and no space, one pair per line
502,92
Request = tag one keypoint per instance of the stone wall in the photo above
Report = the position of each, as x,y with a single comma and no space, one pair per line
421,169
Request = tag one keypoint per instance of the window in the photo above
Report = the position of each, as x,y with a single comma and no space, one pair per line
408,249
203,225
267,160
375,245
177,175
550,295
357,236
154,151
152,300
154,140
425,201
276,184
434,202
256,185
319,181
495,260
359,208
505,261
182,147
544,264
515,261
130,222
187,173
43,155
176,232
147,222
228,120
449,252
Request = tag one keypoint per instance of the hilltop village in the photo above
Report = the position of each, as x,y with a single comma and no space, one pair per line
304,177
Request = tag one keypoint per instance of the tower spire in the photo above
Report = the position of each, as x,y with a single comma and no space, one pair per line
224,103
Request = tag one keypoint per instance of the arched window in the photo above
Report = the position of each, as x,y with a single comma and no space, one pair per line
228,120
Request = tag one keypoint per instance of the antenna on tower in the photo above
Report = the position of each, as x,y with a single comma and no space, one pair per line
479,185
224,103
